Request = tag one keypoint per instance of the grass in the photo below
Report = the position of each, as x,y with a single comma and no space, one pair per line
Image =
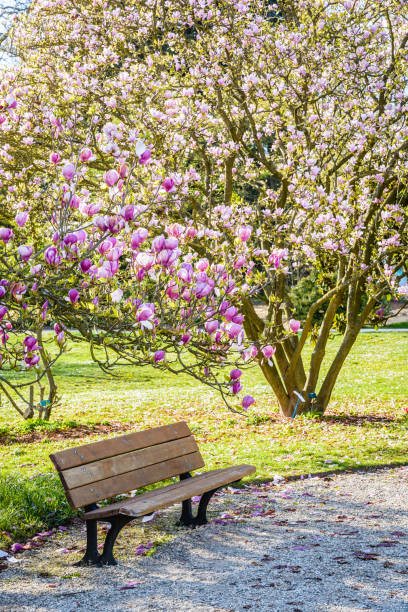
29,505
402,325
365,426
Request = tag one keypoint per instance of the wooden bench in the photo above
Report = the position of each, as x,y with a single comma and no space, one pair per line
98,471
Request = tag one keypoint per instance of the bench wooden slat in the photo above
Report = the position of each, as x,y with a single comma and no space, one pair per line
96,451
166,496
113,509
103,489
120,464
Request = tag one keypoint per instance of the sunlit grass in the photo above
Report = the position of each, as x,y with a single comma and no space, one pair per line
365,425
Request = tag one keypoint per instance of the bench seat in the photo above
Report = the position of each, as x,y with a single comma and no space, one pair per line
147,503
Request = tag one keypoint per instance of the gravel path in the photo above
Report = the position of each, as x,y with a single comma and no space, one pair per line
318,544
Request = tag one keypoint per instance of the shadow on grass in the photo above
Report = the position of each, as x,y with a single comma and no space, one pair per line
37,430
357,419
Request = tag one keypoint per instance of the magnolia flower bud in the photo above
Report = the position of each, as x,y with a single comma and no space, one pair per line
73,296
247,401
54,158
159,356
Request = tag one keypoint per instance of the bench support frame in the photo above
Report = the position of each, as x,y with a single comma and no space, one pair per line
117,522
187,519
91,556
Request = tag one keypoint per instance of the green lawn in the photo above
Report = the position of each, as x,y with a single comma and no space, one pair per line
365,426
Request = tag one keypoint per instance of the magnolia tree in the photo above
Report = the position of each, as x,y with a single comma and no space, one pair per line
282,131
87,252
9,11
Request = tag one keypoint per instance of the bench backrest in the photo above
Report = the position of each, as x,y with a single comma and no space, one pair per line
96,471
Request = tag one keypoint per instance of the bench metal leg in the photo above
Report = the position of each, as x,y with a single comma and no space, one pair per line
186,513
91,556
201,518
117,523
187,519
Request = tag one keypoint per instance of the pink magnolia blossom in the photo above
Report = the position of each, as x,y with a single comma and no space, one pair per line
144,158
73,295
167,257
234,330
74,201
236,387
144,260
11,101
202,264
6,234
111,177
68,171
116,296
158,244
172,291
171,243
235,374
81,235
30,343
204,288
294,325
231,313
123,171
18,290
25,252
174,229
268,351
70,239
21,218
138,238
144,314
86,155
211,326
239,262
32,360
51,256
128,212
140,148
55,158
244,233
168,184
